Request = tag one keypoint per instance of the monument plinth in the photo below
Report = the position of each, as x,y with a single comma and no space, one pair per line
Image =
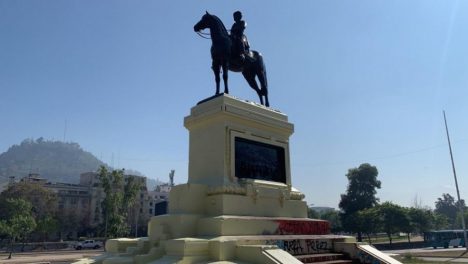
238,162
238,205
224,129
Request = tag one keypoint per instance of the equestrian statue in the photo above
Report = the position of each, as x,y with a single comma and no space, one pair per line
232,52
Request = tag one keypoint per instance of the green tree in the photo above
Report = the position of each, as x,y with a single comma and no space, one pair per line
333,217
360,195
120,195
458,219
43,201
45,226
68,223
43,204
440,221
394,219
19,222
406,225
311,213
447,206
421,219
369,221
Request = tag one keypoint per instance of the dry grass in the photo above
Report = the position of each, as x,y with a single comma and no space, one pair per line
442,254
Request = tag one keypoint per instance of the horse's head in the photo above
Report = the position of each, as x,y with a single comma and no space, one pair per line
205,22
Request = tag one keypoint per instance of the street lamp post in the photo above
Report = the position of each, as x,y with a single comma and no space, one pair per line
460,205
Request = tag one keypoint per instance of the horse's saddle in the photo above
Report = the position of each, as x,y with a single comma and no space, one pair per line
236,63
240,53
239,45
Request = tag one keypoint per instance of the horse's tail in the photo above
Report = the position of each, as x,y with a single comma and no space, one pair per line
261,72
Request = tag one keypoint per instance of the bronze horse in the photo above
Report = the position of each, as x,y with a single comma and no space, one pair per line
221,51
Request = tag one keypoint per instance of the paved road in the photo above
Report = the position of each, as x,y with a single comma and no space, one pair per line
52,257
68,256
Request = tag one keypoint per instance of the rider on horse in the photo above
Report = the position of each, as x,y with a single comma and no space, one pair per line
226,51
240,45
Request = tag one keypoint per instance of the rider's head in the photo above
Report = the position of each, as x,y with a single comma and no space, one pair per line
237,16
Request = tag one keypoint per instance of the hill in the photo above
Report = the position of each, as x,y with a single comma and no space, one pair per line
54,160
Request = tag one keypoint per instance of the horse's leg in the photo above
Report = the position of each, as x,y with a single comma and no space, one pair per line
263,83
250,78
216,69
225,76
262,77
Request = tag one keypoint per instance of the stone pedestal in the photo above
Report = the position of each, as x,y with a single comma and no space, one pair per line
238,205
213,188
239,189
215,125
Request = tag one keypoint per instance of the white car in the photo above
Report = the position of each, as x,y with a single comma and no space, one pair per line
88,244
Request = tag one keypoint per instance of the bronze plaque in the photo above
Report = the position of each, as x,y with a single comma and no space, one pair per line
257,160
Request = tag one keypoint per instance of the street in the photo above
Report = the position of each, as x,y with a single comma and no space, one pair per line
52,257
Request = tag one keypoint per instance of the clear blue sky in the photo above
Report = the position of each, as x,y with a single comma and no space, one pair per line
363,81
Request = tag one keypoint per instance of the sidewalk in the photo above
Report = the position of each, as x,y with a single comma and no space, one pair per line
455,255
53,257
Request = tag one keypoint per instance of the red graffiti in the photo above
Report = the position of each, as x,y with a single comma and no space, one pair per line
299,227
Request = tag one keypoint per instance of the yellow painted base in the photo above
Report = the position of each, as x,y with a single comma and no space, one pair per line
217,217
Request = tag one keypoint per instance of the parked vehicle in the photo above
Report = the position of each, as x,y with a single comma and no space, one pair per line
88,244
445,238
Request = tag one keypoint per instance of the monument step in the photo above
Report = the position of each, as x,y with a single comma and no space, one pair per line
344,261
313,258
293,244
227,225
187,246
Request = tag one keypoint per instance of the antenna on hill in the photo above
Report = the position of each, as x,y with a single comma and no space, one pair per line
460,206
30,166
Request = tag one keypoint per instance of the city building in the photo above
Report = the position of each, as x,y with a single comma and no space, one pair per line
159,197
72,198
84,200
140,211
